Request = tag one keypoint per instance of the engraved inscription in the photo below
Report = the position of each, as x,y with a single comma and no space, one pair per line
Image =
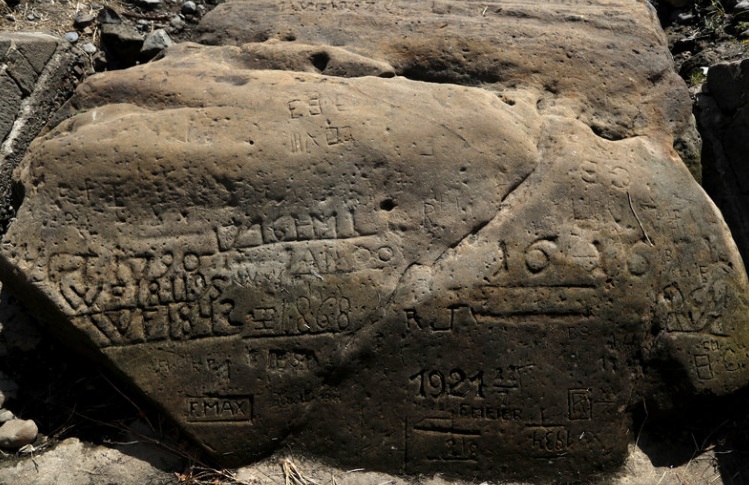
291,360
437,439
216,409
550,440
334,224
580,404
490,413
455,383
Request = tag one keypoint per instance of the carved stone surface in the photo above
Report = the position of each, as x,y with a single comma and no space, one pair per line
396,274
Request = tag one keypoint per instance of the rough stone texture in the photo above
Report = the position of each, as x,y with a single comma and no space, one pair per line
35,78
404,275
723,115
155,42
16,433
121,43
72,462
594,56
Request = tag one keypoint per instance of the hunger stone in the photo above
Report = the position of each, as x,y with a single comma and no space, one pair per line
288,243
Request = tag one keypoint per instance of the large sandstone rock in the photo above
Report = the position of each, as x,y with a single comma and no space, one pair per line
36,77
596,57
280,243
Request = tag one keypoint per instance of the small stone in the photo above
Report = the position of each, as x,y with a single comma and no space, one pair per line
31,17
685,17
143,26
89,48
150,4
17,433
741,8
123,43
10,18
177,23
108,16
189,8
83,20
155,42
71,37
6,415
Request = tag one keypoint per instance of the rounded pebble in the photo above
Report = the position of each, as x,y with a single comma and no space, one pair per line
71,37
89,48
17,433
6,415
177,24
189,8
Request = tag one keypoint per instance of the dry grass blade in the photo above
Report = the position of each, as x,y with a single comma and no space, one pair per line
292,475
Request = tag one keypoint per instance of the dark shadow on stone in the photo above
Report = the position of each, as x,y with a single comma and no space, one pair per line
320,60
70,396
700,424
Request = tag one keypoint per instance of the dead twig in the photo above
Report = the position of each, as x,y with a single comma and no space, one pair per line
140,411
642,426
292,476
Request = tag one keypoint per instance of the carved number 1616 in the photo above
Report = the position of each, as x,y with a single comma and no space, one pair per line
435,384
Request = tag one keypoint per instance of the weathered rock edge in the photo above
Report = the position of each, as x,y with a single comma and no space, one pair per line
607,60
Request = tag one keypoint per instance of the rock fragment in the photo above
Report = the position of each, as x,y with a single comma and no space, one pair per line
16,433
89,48
177,24
121,43
189,8
83,20
154,44
71,37
108,15
741,9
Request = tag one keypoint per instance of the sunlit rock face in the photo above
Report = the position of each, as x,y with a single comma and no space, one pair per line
290,242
